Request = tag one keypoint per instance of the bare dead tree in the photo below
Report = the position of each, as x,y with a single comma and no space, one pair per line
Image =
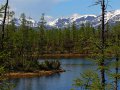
102,47
3,23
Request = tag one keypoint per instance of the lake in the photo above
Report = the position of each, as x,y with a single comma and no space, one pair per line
62,81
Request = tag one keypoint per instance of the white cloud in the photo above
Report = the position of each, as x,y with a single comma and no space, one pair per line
34,1
29,3
34,8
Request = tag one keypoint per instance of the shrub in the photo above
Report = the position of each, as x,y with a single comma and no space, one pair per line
50,65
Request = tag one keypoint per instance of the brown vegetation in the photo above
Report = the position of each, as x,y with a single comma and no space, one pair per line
32,74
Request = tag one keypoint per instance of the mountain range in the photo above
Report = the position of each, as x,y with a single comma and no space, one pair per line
111,17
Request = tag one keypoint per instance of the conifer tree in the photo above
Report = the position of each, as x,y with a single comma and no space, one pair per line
42,39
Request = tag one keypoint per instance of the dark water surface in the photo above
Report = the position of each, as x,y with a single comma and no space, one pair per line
62,81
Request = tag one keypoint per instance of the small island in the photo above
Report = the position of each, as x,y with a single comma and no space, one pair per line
35,69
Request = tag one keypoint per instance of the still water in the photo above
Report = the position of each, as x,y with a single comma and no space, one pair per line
62,81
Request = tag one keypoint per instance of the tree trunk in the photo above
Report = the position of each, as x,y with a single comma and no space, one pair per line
103,45
116,78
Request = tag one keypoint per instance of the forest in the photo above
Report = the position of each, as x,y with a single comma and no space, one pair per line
21,47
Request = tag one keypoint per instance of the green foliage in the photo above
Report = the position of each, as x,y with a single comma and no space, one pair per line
50,65
90,80
2,72
6,86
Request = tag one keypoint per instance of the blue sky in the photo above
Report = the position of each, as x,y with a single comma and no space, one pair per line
57,8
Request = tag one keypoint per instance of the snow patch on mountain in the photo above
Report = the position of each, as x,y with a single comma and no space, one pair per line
66,21
111,14
74,17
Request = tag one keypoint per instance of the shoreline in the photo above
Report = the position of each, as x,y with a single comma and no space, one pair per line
70,55
12,75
